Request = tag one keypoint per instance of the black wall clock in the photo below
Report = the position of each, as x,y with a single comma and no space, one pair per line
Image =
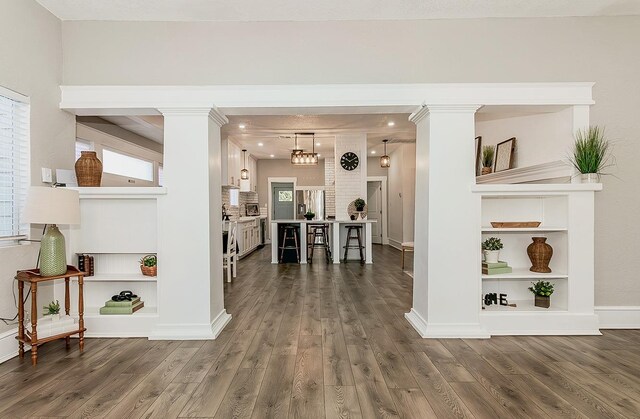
349,161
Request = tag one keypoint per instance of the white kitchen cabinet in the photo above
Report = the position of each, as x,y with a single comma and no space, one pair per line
248,236
231,165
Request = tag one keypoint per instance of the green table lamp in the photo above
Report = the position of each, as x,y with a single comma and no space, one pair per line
52,206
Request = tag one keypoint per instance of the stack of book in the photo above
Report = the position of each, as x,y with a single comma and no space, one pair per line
122,307
496,268
53,325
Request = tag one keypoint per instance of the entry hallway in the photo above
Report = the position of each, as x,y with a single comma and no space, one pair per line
328,341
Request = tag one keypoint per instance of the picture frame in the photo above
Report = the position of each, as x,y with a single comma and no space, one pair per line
478,154
504,155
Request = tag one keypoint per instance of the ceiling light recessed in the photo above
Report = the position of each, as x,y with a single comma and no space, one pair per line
242,126
260,144
317,144
373,152
390,123
272,156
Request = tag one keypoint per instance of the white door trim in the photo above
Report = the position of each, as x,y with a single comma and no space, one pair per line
271,180
383,182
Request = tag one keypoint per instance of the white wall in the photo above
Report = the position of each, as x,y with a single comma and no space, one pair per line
401,202
602,49
31,64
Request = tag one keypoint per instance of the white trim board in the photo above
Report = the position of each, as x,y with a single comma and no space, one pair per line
618,317
395,244
9,345
385,205
550,170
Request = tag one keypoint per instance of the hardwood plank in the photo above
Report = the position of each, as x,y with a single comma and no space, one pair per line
547,400
335,358
241,396
171,401
479,402
341,402
307,394
412,404
275,392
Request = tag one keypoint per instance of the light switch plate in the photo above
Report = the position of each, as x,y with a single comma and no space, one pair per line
47,175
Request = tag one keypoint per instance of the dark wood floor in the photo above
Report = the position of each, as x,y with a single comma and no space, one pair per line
328,341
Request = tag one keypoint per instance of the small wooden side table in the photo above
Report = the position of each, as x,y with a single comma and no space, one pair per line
32,277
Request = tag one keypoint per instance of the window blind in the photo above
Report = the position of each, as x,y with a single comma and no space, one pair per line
14,164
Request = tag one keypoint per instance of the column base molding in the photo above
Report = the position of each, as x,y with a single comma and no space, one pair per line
445,330
191,331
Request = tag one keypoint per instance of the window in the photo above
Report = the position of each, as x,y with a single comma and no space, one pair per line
285,196
160,175
81,146
123,165
234,197
14,162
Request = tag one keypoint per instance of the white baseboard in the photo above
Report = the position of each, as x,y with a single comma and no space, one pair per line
207,331
395,244
445,331
9,345
618,317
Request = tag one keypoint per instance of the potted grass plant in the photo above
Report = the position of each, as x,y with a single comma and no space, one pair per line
491,248
591,153
488,153
542,291
52,309
149,265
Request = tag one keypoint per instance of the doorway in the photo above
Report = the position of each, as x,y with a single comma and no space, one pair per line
374,209
282,198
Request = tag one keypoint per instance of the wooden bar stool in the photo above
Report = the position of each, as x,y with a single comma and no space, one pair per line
319,235
357,228
290,234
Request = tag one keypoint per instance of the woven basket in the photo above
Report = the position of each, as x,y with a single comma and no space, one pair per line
149,270
88,169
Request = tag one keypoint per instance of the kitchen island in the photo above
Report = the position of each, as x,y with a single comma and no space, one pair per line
337,239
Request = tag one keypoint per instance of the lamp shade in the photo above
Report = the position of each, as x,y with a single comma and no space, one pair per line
47,205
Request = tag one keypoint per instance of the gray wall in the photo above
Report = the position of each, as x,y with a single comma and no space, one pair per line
602,49
306,176
31,64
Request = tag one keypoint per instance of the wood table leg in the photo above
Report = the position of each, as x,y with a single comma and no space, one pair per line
20,319
67,304
81,310
34,322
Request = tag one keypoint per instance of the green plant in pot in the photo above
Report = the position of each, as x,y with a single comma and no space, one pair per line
542,291
52,309
359,204
149,265
591,153
488,153
309,215
491,248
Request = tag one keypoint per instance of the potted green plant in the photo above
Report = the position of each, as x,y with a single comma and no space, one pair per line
53,310
488,153
491,248
149,265
542,291
309,215
359,204
591,153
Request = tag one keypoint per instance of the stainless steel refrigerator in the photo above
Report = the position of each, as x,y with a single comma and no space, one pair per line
310,199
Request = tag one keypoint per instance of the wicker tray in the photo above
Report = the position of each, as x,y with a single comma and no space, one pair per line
515,224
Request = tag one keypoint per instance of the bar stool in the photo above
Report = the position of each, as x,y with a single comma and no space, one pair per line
357,228
290,233
319,235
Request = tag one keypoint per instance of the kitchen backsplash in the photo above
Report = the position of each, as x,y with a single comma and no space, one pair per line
243,199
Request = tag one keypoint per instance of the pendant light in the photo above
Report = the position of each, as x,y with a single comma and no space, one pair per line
301,158
385,161
244,173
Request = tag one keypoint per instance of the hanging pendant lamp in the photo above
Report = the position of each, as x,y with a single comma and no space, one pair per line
301,158
385,161
244,173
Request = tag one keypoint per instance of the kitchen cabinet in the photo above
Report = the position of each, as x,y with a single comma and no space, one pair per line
232,164
248,235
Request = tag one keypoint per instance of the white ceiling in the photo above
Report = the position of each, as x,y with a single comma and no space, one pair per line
324,10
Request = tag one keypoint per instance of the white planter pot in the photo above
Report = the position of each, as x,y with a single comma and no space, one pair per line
55,317
590,178
491,256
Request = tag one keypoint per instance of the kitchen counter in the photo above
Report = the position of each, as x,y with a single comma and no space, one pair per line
337,239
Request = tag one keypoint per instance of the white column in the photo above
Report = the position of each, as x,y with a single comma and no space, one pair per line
190,289
368,248
447,282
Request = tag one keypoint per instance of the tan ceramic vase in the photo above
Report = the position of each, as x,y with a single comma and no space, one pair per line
88,169
540,254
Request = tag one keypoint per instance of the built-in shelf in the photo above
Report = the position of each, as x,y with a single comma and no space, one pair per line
145,311
120,278
523,306
523,230
525,273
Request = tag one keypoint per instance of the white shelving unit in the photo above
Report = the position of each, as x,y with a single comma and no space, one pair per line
566,215
118,227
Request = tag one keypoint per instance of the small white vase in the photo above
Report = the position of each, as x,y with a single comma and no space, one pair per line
55,317
590,178
491,256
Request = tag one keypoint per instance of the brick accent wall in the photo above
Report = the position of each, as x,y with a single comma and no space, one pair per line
329,182
350,185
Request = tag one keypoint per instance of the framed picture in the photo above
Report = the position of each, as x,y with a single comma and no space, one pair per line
478,152
504,155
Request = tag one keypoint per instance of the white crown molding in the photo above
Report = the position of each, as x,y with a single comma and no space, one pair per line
105,100
218,117
425,110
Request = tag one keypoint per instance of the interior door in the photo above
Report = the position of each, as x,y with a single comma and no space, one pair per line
282,200
374,209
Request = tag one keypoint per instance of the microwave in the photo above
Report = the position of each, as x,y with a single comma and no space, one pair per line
252,209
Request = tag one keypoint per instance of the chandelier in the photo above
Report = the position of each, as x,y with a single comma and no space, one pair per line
299,157
385,161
